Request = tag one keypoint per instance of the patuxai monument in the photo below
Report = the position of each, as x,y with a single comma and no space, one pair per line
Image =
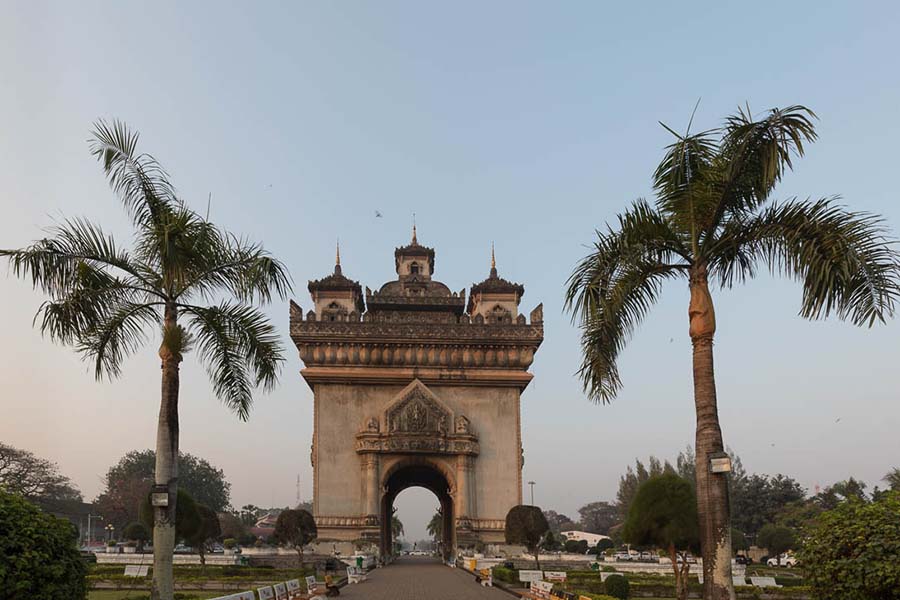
415,385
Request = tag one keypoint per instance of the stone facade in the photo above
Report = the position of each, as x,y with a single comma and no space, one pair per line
415,388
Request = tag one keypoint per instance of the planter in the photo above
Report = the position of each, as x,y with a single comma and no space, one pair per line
112,550
129,549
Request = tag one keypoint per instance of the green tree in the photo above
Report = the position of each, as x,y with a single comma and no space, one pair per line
551,542
758,499
136,532
598,517
738,540
126,483
435,526
527,526
559,522
295,529
713,219
851,553
396,527
208,529
39,555
575,546
777,539
187,519
106,301
35,479
603,545
892,478
664,515
635,478
250,514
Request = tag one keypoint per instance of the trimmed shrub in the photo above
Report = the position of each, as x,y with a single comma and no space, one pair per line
617,586
39,555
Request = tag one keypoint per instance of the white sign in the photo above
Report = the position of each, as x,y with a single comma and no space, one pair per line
531,575
266,593
555,575
280,591
541,589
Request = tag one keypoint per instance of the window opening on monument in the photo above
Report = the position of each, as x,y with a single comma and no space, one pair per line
414,269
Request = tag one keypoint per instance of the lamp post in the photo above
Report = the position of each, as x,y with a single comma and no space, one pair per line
109,532
531,483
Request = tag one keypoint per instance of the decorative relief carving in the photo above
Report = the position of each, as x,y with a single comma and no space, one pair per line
488,524
372,425
462,424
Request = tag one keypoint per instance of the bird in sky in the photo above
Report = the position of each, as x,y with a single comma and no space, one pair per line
377,214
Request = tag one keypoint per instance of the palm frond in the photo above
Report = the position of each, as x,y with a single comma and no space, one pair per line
121,332
753,157
846,261
611,290
138,179
682,180
240,349
57,263
243,269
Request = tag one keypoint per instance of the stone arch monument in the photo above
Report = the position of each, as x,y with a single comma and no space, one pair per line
413,386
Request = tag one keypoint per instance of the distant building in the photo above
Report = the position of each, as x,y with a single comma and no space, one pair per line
591,538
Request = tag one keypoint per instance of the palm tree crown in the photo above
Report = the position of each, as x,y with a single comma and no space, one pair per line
105,300
713,218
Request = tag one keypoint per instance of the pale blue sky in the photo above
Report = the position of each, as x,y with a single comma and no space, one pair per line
527,124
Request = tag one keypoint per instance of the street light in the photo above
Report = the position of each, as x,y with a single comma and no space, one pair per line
531,483
109,532
90,535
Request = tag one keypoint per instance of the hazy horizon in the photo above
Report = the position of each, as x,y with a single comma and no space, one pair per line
521,124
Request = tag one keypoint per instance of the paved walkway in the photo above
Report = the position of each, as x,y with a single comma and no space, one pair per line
420,578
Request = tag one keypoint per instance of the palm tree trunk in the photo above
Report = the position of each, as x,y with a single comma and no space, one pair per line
712,488
163,586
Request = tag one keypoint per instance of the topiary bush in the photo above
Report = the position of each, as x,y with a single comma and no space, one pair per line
617,586
39,556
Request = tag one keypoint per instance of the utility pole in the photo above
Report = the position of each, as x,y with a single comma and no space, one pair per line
298,489
531,483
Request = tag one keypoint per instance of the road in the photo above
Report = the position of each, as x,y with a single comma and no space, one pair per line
420,578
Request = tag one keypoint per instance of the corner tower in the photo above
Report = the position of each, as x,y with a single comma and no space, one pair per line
415,388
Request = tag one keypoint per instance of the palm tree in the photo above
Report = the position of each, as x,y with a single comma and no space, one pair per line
713,218
436,526
396,524
893,479
105,301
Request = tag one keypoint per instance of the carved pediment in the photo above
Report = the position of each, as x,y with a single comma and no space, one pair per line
417,410
417,421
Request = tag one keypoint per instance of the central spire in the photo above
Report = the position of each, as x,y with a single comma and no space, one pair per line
493,262
337,258
414,240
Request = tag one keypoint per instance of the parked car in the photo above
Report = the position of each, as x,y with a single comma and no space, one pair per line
648,557
217,549
786,561
182,549
624,555
743,560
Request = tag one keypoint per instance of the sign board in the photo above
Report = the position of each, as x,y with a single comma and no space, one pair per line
246,596
280,591
555,575
293,585
541,589
136,570
527,576
266,593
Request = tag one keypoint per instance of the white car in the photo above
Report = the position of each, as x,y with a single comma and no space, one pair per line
624,556
786,561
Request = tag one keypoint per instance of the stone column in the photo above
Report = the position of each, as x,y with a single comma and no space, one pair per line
372,487
463,470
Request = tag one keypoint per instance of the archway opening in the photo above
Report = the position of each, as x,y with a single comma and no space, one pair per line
422,476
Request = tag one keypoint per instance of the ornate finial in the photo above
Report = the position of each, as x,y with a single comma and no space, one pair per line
493,262
337,258
414,240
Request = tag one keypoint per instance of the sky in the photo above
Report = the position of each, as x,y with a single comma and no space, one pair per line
524,124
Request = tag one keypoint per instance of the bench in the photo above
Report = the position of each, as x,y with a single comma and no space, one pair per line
356,575
293,588
764,582
266,593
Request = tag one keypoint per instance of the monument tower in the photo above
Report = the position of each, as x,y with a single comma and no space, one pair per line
414,386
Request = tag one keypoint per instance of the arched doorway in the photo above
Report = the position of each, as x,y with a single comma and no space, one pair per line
423,474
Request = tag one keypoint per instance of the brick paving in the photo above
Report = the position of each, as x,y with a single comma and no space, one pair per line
420,578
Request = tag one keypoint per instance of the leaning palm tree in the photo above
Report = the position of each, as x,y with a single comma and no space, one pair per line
107,301
713,219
